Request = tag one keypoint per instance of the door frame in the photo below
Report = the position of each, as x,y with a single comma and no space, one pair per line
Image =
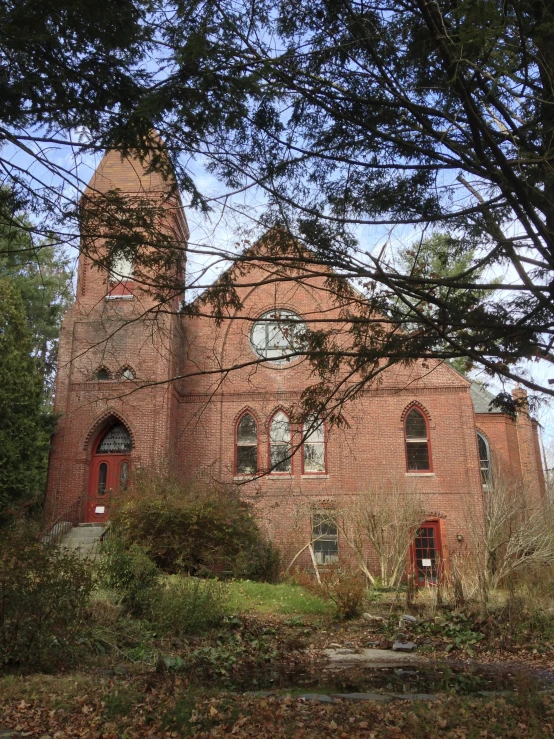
441,553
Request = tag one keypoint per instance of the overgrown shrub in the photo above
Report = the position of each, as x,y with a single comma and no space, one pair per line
188,605
44,592
346,589
128,570
196,529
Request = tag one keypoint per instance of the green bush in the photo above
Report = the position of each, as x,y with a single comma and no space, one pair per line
199,529
129,571
44,592
189,605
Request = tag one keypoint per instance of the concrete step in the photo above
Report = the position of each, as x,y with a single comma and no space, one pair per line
84,539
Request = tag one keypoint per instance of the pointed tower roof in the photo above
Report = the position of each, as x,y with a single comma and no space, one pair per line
127,174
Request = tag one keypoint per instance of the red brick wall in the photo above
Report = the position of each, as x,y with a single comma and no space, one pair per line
190,423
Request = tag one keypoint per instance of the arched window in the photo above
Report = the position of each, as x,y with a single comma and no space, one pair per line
313,446
127,374
247,445
116,441
279,443
484,459
418,457
102,374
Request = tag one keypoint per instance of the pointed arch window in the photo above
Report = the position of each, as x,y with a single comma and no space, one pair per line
313,448
247,445
116,441
418,453
279,443
127,374
484,460
102,375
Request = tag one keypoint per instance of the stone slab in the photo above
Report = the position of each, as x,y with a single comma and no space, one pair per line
400,646
362,697
370,657
319,697
414,696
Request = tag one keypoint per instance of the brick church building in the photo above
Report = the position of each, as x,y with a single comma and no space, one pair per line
120,407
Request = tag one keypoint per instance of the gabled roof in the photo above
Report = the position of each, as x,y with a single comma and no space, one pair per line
481,399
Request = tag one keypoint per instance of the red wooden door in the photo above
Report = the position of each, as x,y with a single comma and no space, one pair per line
109,473
426,554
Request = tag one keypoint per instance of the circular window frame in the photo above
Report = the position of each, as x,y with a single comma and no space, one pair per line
275,361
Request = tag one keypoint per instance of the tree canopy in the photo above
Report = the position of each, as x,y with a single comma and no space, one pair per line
405,119
26,423
42,275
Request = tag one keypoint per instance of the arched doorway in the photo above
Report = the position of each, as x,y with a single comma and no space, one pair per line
109,471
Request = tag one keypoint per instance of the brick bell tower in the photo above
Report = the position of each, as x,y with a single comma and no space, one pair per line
120,340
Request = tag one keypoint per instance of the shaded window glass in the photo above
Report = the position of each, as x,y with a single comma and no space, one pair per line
416,427
102,478
426,557
279,443
277,334
102,374
124,475
325,539
247,445
484,460
417,442
314,446
116,441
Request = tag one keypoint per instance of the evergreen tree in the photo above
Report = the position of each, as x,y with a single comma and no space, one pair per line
26,425
43,277
441,257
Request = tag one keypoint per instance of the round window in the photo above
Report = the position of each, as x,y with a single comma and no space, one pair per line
276,334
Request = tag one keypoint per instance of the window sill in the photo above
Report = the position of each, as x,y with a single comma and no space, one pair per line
245,478
420,474
119,297
315,476
282,476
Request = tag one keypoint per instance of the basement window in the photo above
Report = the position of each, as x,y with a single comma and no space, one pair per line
325,538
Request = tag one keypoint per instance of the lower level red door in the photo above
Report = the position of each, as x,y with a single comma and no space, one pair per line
108,474
426,554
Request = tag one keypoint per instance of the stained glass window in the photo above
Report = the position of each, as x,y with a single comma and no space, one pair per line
484,459
247,445
417,442
314,445
127,374
102,374
276,334
279,443
116,441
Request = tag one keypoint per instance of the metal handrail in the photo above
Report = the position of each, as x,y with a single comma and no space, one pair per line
60,524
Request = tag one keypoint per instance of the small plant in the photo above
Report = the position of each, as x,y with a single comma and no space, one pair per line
129,571
458,631
189,605
346,589
44,592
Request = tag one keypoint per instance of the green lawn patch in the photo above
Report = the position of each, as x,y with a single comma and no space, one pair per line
283,599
